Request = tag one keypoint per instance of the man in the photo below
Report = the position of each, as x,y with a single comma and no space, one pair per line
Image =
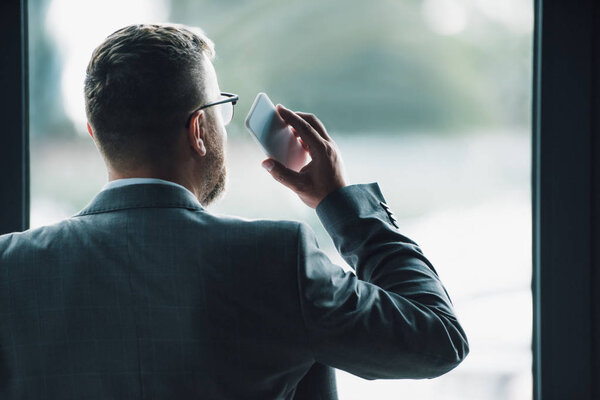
144,294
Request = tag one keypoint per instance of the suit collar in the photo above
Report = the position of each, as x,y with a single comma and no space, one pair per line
142,195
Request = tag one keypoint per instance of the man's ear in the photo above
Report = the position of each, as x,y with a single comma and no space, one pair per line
196,132
90,130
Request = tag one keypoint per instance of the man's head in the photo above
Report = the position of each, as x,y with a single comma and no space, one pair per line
141,85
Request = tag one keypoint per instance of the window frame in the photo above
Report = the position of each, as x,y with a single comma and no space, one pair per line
565,200
14,114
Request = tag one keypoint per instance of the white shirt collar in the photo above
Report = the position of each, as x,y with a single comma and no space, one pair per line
134,181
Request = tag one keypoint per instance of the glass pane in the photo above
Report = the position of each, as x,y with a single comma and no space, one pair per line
431,98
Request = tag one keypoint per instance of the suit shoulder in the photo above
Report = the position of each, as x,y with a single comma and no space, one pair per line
282,228
39,238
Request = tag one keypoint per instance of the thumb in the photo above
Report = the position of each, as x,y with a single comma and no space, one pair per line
284,175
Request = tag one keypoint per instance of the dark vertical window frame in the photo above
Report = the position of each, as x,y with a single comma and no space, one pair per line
595,217
14,114
565,200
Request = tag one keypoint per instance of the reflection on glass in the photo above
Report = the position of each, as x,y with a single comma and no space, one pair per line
429,98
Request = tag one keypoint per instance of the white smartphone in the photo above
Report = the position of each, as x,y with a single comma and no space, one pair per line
274,135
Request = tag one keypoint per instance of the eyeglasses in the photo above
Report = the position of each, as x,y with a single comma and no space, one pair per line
226,104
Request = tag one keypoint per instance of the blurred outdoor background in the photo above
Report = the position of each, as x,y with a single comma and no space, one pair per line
430,98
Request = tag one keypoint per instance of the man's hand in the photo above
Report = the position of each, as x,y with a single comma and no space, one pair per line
323,174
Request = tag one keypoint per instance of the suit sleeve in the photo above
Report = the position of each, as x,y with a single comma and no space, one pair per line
392,318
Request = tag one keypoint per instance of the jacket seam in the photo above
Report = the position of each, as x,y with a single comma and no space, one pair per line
135,320
299,291
103,210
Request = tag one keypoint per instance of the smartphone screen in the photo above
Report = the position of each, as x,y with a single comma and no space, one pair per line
274,135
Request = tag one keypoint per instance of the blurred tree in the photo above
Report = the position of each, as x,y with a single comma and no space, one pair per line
363,67
366,66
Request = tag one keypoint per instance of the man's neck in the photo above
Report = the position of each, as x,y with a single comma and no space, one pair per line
113,175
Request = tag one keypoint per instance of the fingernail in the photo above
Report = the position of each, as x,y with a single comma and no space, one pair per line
268,165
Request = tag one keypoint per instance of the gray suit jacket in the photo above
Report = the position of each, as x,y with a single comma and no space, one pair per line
146,295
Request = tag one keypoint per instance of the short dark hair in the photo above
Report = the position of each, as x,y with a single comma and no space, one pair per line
140,84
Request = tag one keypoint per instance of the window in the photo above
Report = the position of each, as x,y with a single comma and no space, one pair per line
430,98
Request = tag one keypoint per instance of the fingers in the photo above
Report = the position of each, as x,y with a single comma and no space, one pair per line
286,176
304,146
316,124
305,130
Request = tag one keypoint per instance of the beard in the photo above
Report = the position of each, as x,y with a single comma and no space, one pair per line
218,188
216,173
